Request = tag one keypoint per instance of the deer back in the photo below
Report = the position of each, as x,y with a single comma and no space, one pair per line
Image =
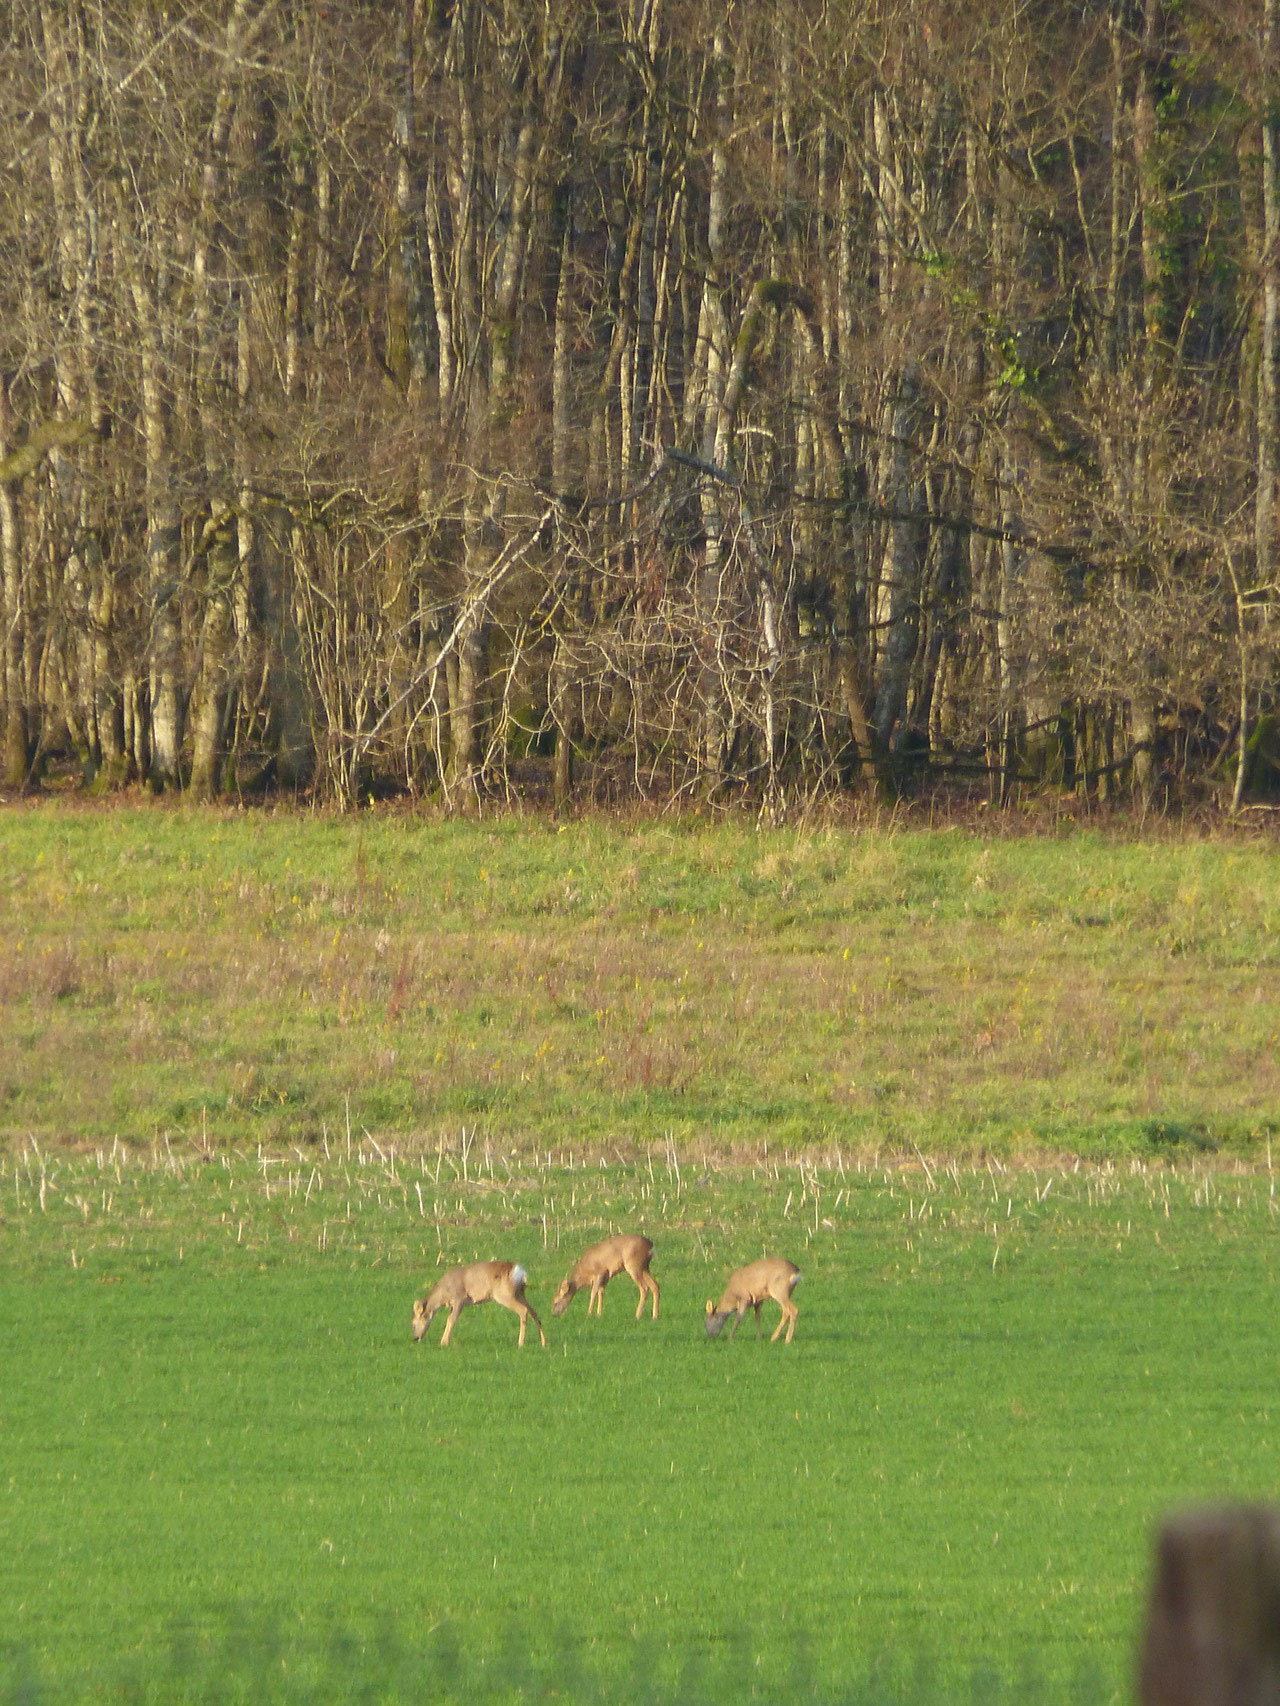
487,1280
771,1276
606,1259
475,1282
610,1256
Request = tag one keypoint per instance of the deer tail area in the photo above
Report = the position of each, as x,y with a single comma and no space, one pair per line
519,1278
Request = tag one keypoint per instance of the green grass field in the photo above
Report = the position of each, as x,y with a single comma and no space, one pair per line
262,1075
228,1473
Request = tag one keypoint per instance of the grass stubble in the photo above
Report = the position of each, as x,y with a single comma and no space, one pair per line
225,1459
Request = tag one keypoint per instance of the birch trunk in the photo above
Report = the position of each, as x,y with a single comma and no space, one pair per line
163,545
713,341
406,301
91,694
280,549
209,715
560,685
1268,426
900,585
1142,699
16,758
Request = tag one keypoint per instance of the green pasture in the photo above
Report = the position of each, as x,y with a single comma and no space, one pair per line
262,1075
232,977
227,1473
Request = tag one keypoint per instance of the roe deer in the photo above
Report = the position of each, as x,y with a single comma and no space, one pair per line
628,1253
478,1282
771,1276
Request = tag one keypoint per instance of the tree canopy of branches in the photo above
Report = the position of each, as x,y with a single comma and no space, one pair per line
648,397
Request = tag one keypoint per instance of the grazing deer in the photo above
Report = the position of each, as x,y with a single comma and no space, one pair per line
478,1282
628,1253
771,1276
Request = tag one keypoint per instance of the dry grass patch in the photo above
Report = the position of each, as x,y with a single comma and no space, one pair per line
253,978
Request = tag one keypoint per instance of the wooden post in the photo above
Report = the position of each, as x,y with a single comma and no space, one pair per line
1213,1630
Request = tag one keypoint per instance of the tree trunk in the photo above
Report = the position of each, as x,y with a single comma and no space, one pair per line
406,301
16,758
1268,426
292,742
209,718
561,707
164,565
899,608
466,711
713,340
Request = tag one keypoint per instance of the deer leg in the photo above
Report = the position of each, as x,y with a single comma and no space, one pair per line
455,1309
737,1321
524,1310
639,1276
517,1306
597,1291
648,1287
759,1334
782,1322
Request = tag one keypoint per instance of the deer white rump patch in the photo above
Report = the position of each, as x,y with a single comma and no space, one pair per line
518,1276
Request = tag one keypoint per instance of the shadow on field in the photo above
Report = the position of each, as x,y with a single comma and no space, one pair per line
257,1661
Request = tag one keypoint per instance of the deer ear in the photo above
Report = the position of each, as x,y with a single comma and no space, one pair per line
711,1308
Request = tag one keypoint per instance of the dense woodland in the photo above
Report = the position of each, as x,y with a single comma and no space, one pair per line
641,398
